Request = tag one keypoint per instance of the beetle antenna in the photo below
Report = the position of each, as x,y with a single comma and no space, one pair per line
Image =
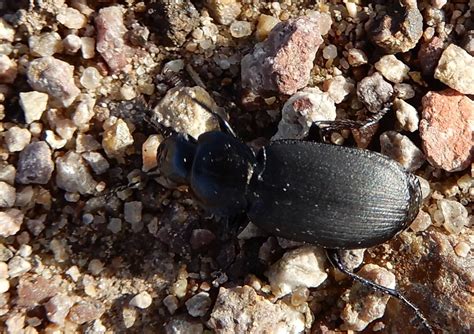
335,260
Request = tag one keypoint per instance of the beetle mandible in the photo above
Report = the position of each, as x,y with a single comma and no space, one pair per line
336,197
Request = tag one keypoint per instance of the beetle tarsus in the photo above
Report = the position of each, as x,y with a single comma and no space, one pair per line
335,260
326,127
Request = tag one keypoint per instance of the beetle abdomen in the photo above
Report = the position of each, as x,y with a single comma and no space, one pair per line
333,196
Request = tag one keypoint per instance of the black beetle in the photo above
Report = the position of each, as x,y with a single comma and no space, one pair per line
337,197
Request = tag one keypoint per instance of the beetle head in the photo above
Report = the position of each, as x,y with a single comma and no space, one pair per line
175,157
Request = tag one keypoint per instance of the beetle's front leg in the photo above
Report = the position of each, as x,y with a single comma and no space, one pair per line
334,257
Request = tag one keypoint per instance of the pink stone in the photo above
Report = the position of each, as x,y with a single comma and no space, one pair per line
283,61
446,129
55,78
110,38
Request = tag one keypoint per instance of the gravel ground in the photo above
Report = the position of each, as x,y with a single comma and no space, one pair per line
94,240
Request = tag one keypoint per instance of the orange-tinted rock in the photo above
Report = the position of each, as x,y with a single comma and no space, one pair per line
283,62
446,129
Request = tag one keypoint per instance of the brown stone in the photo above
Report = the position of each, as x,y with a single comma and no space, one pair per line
83,312
283,62
32,292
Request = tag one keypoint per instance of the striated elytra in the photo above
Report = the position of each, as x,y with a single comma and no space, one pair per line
336,197
332,196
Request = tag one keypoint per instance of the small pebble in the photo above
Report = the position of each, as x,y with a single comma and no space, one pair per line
149,149
57,308
95,267
90,78
55,141
88,47
199,304
25,251
33,105
359,311
330,52
5,253
171,303
7,195
392,69
404,91
74,273
339,88
65,128
455,215
54,77
302,267
127,92
72,43
374,92
132,212
224,11
301,110
7,173
143,300
235,306
7,32
129,316
115,225
456,69
265,24
83,114
10,222
4,285
73,175
15,323
96,161
356,57
116,139
407,115
17,138
400,148
46,44
71,18
17,266
3,265
83,312
421,222
35,164
59,249
462,249
240,29
181,109
8,69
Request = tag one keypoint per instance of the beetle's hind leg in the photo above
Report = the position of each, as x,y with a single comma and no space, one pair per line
334,257
327,127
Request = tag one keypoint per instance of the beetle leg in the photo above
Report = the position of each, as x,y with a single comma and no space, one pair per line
326,127
335,260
